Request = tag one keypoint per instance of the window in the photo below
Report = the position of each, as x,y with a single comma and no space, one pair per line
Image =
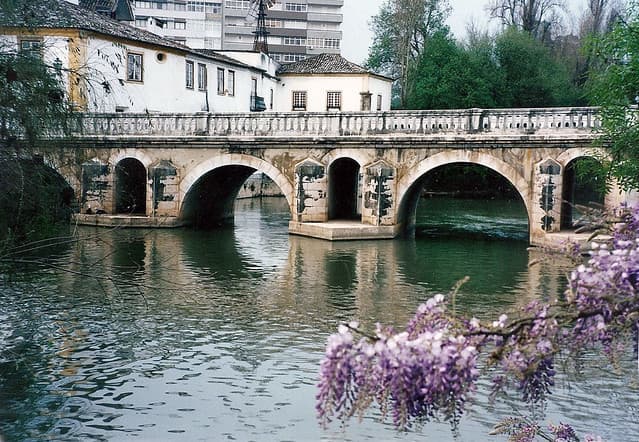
270,103
296,7
231,83
195,6
220,81
238,4
141,22
253,87
179,6
299,100
294,41
213,8
179,25
201,76
189,74
366,101
270,23
379,102
134,67
323,43
333,100
32,45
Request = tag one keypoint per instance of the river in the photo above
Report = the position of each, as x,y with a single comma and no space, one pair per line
156,335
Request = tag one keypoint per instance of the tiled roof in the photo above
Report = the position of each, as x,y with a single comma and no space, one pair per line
59,14
118,9
211,53
323,64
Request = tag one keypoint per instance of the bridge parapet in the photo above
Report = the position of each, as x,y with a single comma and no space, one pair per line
556,121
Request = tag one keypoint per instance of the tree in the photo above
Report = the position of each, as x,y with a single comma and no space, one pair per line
615,87
401,30
450,76
532,77
33,105
430,369
538,18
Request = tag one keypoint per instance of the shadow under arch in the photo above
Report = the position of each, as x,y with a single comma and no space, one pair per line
410,186
130,186
208,192
344,189
582,185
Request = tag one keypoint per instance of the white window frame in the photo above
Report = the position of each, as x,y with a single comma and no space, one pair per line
334,100
230,83
220,81
202,77
189,72
299,100
135,68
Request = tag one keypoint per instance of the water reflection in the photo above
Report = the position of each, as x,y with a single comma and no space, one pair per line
221,335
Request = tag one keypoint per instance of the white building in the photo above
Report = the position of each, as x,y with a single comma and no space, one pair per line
114,67
329,82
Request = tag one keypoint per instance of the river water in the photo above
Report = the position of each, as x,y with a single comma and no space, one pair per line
190,335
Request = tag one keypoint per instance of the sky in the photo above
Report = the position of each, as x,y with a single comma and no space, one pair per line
357,36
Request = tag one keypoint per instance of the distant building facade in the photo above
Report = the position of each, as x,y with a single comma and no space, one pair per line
297,28
330,83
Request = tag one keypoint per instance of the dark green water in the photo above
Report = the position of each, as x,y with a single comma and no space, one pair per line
184,335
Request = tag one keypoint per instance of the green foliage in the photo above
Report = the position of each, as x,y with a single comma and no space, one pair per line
448,76
35,202
401,31
615,88
34,199
510,70
532,78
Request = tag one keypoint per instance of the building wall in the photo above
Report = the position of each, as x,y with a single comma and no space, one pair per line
351,87
163,86
229,25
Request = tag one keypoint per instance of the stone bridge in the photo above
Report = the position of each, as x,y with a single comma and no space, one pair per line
364,168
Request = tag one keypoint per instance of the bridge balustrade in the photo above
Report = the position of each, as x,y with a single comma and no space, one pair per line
308,124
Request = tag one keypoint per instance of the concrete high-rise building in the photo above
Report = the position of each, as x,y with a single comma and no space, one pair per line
297,28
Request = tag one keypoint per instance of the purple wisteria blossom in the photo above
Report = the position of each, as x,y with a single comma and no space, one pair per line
429,370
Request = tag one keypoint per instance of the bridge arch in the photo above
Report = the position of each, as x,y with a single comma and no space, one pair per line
344,168
131,188
409,185
574,185
254,164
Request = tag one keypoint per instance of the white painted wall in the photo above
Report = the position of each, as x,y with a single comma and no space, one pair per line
163,88
316,86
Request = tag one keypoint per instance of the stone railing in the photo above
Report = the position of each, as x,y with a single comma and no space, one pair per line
554,121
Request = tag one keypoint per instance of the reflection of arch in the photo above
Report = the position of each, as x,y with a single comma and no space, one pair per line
343,189
130,186
241,160
408,187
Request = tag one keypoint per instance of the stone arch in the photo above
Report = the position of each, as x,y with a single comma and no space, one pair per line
218,161
357,155
137,154
572,154
571,183
405,191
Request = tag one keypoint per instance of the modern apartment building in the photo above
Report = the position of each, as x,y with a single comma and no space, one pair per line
297,28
